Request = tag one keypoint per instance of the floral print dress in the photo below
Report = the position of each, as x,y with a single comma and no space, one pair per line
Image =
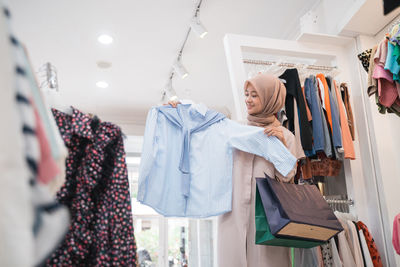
96,192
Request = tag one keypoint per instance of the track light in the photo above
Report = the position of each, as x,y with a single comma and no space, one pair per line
198,27
180,69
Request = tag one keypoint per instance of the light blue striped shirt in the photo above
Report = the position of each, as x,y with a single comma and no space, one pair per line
210,157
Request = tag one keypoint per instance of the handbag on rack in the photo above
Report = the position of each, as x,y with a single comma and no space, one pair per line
297,211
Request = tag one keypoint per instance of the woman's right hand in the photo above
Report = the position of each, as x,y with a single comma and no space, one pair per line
173,104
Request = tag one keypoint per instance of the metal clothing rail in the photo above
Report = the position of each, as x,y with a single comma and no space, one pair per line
349,202
288,65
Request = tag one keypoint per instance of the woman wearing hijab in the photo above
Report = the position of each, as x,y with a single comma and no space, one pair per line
265,96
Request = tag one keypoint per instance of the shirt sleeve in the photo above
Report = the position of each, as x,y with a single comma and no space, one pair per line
149,151
252,139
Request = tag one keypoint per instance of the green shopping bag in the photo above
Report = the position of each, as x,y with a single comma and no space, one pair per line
265,237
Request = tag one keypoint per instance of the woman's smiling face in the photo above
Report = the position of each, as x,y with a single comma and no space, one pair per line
252,99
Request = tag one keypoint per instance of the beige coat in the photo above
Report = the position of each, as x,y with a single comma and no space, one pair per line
236,229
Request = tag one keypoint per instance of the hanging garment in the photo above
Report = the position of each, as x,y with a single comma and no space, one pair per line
336,261
313,102
282,118
97,193
297,131
328,134
327,254
330,80
381,53
335,114
364,248
56,183
394,34
309,116
330,254
380,59
322,137
355,244
320,257
326,103
331,112
293,89
236,229
346,252
193,151
336,130
346,100
364,58
396,234
387,89
17,215
372,83
47,166
373,250
306,257
391,63
347,141
42,222
51,219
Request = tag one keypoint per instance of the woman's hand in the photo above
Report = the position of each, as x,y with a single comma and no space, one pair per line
173,104
275,131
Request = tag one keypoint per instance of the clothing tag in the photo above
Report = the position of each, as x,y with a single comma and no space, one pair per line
200,108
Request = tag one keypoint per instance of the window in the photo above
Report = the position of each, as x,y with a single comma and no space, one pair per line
167,242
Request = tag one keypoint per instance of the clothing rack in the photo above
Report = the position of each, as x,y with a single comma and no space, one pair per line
289,65
49,72
339,203
348,202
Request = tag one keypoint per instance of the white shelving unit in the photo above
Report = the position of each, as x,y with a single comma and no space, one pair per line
363,181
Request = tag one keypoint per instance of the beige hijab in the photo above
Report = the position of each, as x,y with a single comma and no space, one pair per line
272,94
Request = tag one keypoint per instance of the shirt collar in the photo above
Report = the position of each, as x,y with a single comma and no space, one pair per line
200,107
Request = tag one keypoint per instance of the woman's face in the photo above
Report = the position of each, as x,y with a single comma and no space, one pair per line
253,101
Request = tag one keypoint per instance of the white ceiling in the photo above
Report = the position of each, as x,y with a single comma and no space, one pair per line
369,19
147,36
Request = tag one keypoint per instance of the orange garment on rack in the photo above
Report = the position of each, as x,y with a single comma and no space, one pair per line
326,99
347,140
347,105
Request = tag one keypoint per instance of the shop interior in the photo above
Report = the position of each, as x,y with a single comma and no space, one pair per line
99,167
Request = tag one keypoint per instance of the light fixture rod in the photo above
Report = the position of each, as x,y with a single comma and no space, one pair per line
179,57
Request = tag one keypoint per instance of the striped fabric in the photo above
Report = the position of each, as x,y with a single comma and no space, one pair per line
50,219
210,158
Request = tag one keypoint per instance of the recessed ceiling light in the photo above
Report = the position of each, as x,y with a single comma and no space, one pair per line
102,84
104,64
105,39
